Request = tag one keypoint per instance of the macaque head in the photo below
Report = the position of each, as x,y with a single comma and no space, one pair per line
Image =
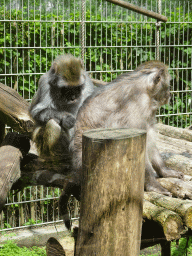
67,77
158,81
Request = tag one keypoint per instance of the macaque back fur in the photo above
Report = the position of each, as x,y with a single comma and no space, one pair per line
130,101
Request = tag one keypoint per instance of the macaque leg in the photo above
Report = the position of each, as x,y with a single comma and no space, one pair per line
155,159
151,184
161,169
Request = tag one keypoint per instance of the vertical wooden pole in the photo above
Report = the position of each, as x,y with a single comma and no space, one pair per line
112,192
166,248
2,131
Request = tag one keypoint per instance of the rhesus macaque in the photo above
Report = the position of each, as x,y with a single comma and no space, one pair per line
60,94
130,101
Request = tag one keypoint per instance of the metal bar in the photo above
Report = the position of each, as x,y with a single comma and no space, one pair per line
93,21
83,30
138,9
158,24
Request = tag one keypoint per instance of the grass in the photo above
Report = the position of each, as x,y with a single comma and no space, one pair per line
184,248
11,249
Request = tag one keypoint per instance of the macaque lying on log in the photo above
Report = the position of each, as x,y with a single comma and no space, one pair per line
130,101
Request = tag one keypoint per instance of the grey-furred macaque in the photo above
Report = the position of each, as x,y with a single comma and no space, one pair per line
54,107
130,101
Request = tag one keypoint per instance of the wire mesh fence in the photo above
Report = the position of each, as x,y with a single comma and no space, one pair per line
33,33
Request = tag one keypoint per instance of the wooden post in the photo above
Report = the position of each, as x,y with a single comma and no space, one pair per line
112,192
166,248
2,131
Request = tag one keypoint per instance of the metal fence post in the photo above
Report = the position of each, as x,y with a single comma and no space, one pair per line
83,30
158,24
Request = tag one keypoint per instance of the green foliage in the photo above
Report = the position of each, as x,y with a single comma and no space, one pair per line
183,248
11,249
32,222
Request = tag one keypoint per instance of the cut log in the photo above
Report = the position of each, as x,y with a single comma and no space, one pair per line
178,188
169,220
54,247
60,246
112,192
14,110
182,207
175,132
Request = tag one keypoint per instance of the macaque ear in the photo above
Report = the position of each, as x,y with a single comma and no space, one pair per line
54,68
158,76
154,78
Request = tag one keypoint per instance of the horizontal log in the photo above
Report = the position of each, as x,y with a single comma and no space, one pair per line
170,221
175,132
178,188
179,162
174,145
182,207
177,153
14,110
139,9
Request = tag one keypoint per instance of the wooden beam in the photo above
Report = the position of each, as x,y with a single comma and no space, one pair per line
138,9
165,248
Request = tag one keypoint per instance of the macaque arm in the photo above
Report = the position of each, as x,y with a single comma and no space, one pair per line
42,98
161,169
156,160
151,184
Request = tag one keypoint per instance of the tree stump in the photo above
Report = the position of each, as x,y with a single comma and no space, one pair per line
112,192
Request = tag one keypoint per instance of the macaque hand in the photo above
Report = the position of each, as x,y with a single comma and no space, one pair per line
68,121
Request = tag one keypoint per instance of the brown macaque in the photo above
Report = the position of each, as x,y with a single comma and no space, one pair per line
60,94
130,101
